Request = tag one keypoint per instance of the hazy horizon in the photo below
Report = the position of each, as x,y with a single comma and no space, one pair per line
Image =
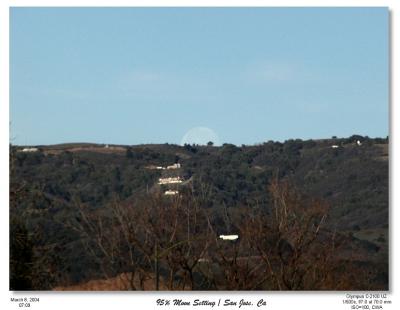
177,144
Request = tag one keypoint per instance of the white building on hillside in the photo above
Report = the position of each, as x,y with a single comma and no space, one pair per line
229,237
171,193
30,149
170,180
174,166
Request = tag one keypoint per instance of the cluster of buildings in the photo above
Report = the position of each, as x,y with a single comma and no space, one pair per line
170,179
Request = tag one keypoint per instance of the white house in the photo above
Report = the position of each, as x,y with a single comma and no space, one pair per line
359,143
170,193
229,237
174,166
30,149
335,146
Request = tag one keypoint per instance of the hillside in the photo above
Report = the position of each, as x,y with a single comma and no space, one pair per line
47,185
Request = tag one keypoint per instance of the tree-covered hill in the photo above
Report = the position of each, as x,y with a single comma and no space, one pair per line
350,174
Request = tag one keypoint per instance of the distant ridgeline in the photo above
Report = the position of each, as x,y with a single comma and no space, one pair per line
351,174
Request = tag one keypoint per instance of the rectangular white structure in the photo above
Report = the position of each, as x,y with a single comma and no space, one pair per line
229,237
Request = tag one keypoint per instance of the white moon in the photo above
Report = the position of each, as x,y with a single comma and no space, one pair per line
201,136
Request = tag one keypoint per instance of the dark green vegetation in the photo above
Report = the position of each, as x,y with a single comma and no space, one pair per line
50,242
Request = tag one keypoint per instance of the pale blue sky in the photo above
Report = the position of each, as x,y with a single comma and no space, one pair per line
145,75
